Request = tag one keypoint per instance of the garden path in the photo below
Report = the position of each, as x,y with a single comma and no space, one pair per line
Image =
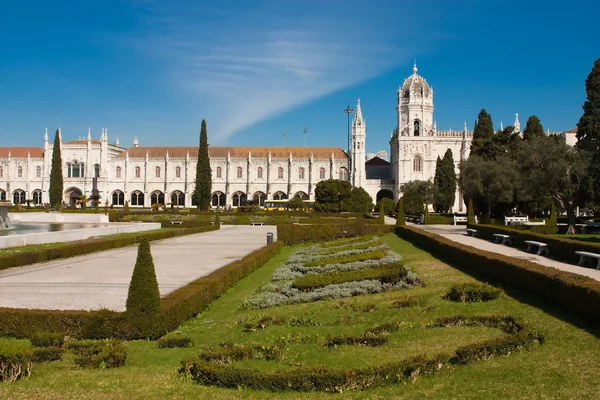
101,280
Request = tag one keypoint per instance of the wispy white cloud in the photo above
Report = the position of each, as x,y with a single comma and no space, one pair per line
242,65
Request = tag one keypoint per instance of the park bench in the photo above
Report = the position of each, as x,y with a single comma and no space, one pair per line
501,238
584,255
472,232
176,222
212,223
257,223
542,247
516,220
459,218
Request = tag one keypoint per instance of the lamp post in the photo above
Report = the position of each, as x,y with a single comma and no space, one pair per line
349,111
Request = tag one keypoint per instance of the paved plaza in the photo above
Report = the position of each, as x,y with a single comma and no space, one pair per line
101,280
458,234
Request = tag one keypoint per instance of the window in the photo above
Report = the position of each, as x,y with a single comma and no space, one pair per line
178,172
137,198
218,172
239,172
239,199
301,173
417,128
38,172
259,198
118,172
138,172
218,199
2,195
177,198
417,164
1,172
259,172
280,173
157,172
322,173
37,197
75,170
97,170
301,196
18,197
279,196
118,198
20,172
157,197
343,174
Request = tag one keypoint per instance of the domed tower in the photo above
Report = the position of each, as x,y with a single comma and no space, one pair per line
415,107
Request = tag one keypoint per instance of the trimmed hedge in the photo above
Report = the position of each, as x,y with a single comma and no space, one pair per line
389,274
472,292
46,354
561,248
90,245
109,354
295,234
176,307
576,294
47,339
16,362
333,259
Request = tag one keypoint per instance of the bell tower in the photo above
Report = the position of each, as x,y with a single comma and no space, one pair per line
357,150
415,107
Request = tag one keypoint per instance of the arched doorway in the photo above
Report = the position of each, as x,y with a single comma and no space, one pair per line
384,194
73,194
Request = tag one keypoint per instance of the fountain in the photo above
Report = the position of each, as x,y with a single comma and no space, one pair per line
4,220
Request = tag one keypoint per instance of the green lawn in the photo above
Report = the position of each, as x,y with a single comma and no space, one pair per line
566,367
584,237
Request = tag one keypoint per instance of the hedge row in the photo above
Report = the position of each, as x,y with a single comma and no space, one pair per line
295,234
90,245
576,294
562,248
391,274
176,307
306,379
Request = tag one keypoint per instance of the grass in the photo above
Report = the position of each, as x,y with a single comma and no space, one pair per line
584,237
565,367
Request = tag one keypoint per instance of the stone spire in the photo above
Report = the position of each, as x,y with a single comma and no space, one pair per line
89,134
136,142
415,69
46,136
517,124
358,117
117,143
501,126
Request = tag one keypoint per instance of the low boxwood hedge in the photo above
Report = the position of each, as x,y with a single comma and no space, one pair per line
472,292
389,274
295,234
576,294
16,362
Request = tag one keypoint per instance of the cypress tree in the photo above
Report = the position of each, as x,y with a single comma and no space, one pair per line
533,128
553,220
55,191
437,186
483,137
143,299
588,127
400,217
203,188
381,212
426,214
449,182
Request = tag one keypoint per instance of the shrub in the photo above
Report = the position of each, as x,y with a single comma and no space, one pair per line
400,217
387,328
107,354
408,301
351,246
472,292
16,362
143,299
371,255
470,213
390,274
368,339
228,352
295,234
171,342
45,354
47,339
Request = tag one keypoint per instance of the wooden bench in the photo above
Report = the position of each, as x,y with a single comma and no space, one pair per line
542,247
176,222
472,232
256,223
584,255
459,218
501,238
516,220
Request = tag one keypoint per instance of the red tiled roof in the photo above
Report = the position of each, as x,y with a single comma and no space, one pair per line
35,152
236,152
376,161
574,130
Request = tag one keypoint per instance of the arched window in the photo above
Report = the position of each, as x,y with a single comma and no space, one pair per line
417,164
38,172
279,196
118,172
238,199
37,197
118,198
157,172
300,173
239,172
218,199
301,196
259,198
138,172
322,173
343,174
97,170
137,198
280,173
157,197
2,195
218,172
417,127
18,197
20,172
1,172
75,170
177,198
178,172
259,172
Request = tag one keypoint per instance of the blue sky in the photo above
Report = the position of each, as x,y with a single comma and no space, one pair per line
257,69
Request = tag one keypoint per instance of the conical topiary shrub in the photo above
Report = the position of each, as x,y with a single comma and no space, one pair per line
426,214
381,213
553,221
400,218
143,299
470,213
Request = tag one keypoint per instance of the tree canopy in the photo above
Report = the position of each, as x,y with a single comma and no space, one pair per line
416,195
483,136
533,128
444,183
330,193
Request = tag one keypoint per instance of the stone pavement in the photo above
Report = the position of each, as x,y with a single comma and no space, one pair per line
458,234
101,280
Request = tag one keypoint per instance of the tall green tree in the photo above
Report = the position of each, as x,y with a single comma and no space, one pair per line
55,191
330,193
483,137
444,183
203,187
533,128
416,195
357,201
